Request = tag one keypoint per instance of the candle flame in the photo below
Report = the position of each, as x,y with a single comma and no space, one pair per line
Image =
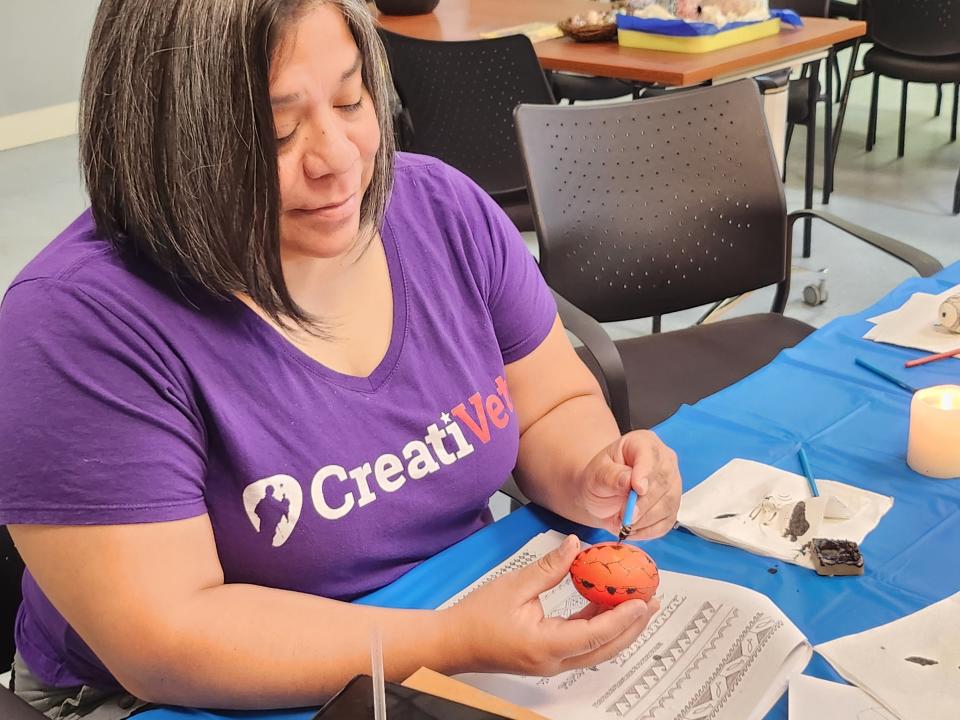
947,402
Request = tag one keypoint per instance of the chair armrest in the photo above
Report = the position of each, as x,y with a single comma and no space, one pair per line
773,80
604,352
926,265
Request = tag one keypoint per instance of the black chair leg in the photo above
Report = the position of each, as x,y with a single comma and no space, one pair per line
828,133
786,148
936,110
901,140
956,197
836,72
811,152
872,128
842,111
656,323
956,106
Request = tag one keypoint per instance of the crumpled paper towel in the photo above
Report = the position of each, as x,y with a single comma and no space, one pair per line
771,512
914,324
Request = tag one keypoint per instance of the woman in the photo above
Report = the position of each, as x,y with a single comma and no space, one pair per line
242,390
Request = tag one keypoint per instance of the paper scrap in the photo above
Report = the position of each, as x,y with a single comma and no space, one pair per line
811,698
911,665
536,31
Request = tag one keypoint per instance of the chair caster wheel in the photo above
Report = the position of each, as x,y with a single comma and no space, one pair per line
816,294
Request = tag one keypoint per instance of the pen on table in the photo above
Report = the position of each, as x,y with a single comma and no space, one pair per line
628,514
930,358
885,375
805,464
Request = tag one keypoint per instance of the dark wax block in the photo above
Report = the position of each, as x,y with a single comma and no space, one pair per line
836,557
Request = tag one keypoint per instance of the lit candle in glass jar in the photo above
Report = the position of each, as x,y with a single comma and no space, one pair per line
934,445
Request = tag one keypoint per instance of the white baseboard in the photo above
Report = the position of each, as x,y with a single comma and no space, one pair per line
35,126
5,679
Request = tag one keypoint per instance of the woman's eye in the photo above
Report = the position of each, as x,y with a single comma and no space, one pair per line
286,138
352,107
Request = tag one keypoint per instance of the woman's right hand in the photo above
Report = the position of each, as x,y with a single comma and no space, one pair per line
505,629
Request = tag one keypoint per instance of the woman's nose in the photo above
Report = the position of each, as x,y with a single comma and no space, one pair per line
329,150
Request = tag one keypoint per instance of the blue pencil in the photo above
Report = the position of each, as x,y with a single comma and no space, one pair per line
886,376
805,464
628,514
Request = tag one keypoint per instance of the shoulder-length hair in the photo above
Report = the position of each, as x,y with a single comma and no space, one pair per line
177,140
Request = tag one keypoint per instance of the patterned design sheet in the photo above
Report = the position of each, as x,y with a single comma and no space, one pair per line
715,651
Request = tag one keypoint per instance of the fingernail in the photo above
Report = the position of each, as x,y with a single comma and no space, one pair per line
571,541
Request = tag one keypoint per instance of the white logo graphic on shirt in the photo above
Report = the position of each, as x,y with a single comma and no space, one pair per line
337,490
273,506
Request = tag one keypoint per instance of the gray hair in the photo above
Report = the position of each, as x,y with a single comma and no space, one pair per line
177,140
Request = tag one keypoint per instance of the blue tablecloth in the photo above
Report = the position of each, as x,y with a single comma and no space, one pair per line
854,428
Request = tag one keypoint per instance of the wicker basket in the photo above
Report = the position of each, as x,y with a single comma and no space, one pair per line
588,33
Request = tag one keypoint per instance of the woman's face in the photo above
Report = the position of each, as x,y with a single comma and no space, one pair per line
327,135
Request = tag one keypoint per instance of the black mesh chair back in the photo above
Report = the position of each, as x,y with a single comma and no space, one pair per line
645,208
851,11
11,573
460,98
928,28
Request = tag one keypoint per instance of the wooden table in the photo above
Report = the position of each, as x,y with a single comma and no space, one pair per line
466,19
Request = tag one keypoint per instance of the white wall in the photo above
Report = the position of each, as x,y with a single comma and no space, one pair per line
42,46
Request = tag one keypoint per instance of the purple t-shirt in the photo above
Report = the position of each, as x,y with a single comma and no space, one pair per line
125,398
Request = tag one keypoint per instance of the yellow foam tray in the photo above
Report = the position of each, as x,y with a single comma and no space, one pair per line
698,43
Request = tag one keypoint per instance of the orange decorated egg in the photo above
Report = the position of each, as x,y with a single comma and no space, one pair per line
610,573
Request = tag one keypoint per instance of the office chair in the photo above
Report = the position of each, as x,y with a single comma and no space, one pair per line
847,11
457,105
798,103
913,42
574,86
956,196
648,208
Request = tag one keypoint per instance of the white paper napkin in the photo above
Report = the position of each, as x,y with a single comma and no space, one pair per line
911,665
751,505
914,324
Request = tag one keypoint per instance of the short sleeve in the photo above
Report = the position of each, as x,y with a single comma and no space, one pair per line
521,305
96,426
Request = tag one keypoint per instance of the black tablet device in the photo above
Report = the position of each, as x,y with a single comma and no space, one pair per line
355,702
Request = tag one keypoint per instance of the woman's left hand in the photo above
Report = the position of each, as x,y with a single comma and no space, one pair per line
638,460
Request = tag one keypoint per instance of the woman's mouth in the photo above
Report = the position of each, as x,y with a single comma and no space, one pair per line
330,212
